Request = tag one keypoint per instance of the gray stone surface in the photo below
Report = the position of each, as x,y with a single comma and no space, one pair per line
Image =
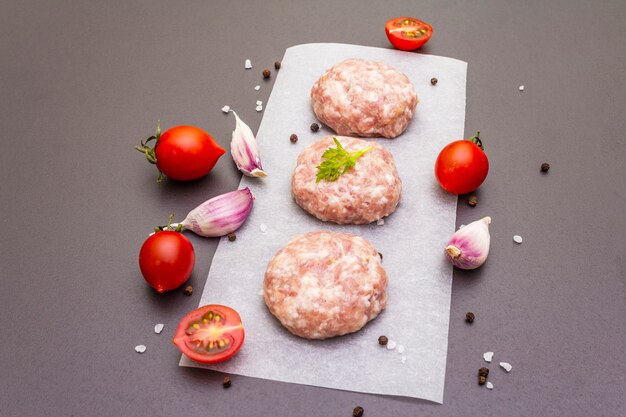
82,83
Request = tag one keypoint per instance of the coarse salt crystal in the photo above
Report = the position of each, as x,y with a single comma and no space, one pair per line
158,328
403,359
264,228
226,109
259,108
488,356
391,345
507,366
489,385
259,103
140,348
248,64
517,239
521,88
400,349
257,88
380,222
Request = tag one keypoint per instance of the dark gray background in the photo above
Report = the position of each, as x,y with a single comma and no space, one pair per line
81,83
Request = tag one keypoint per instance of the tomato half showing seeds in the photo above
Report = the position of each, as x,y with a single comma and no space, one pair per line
408,33
210,334
186,153
166,260
462,166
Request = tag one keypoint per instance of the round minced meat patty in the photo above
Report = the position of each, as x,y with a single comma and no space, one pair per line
364,98
366,193
325,284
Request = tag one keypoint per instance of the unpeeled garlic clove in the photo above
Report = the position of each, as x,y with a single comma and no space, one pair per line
469,246
245,151
220,215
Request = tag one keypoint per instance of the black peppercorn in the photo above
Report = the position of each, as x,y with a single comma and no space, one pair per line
232,237
472,201
483,372
315,127
188,290
545,167
469,317
382,340
266,73
226,383
482,380
358,411
277,64
293,138
434,81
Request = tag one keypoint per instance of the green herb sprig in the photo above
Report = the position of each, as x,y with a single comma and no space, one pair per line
337,161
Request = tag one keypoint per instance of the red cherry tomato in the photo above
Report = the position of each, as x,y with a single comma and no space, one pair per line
462,166
166,260
210,334
408,33
186,153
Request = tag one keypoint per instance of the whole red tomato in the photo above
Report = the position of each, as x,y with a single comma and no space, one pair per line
210,334
182,153
166,260
408,33
462,166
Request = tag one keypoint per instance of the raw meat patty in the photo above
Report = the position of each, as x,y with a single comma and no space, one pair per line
364,98
367,192
325,284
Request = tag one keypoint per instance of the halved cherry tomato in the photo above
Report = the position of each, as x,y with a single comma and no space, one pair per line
408,33
166,260
182,153
462,166
210,334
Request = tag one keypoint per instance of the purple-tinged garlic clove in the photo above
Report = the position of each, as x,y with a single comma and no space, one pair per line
469,246
245,151
220,215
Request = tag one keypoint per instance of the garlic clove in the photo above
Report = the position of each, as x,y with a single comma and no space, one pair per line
220,215
245,151
469,246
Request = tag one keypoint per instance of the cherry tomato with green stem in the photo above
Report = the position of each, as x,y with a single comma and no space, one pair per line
182,153
462,166
166,260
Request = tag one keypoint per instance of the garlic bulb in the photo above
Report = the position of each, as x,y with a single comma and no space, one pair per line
220,215
469,246
245,151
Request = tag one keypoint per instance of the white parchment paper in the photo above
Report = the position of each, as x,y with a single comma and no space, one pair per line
411,240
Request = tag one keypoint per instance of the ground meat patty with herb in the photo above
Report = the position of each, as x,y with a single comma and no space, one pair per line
364,98
365,193
325,284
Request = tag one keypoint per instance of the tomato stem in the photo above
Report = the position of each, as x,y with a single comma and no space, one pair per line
150,153
477,141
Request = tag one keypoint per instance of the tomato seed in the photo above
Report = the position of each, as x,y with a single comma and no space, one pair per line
358,411
226,382
188,290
